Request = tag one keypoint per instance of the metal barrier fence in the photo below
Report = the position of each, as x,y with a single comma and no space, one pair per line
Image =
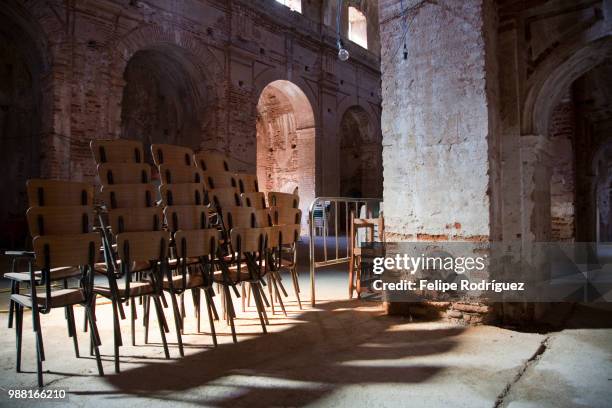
319,213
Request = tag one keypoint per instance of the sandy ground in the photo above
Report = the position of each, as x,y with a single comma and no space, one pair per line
341,353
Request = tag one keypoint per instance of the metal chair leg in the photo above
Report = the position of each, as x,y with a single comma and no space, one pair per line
72,330
12,306
93,330
147,307
209,308
39,346
213,306
229,307
177,322
19,333
133,320
117,334
243,290
278,294
160,320
258,305
296,287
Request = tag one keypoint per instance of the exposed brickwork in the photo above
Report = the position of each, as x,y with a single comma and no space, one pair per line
189,73
562,131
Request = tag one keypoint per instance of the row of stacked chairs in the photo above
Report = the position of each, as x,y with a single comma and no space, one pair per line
204,227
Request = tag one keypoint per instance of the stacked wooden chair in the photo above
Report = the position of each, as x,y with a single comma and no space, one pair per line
205,225
183,196
135,240
60,220
284,212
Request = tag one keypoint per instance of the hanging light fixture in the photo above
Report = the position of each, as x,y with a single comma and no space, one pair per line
343,53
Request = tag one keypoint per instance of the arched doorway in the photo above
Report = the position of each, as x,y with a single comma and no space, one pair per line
286,141
162,99
360,155
22,68
564,179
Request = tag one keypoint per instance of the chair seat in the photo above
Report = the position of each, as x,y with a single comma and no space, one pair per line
137,288
59,298
190,261
192,281
137,266
286,263
233,274
56,274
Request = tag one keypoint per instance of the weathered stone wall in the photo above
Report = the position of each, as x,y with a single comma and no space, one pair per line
435,122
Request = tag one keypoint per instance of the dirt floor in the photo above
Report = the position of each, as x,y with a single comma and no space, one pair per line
340,353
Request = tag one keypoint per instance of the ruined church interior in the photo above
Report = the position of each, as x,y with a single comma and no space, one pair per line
234,203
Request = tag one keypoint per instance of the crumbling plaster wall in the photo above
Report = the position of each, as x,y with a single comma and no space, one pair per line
466,117
438,141
230,50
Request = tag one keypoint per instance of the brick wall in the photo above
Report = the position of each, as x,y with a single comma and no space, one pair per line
561,131
203,66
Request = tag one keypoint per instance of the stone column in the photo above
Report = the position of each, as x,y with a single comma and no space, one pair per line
438,120
536,173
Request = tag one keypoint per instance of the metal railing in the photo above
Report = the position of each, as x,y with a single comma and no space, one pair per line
332,206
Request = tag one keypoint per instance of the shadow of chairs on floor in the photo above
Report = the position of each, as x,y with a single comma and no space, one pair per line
326,350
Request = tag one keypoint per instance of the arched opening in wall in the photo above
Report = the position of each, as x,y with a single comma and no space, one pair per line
22,68
567,102
286,141
360,155
162,99
593,152
579,127
602,186
357,27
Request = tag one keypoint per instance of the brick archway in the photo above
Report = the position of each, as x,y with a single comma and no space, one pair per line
286,134
180,59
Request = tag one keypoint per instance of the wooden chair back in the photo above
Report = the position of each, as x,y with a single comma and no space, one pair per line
59,220
171,154
219,180
290,233
239,217
212,162
247,240
223,197
255,200
55,193
117,151
186,217
124,173
273,235
196,243
135,219
277,199
263,218
128,195
285,215
175,174
182,194
142,246
54,251
247,183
